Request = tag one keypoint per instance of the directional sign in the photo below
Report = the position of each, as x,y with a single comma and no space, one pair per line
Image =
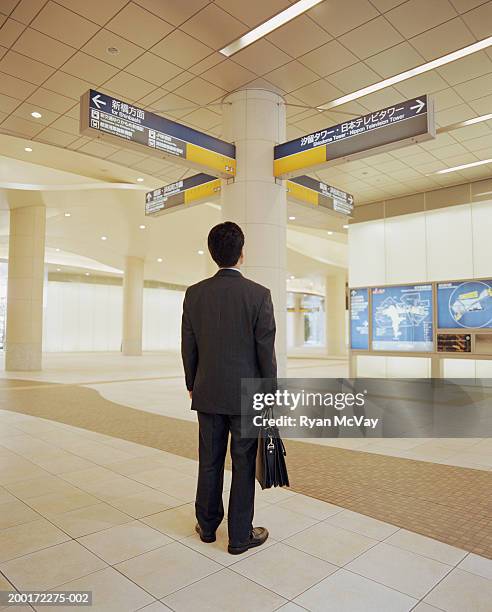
111,119
308,190
191,189
389,128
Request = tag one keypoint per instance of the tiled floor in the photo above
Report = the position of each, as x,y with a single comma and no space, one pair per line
84,511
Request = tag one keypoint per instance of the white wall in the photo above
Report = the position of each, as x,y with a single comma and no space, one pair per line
88,317
444,244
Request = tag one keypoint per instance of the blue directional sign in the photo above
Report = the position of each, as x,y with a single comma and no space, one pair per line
106,117
464,304
403,123
359,319
402,318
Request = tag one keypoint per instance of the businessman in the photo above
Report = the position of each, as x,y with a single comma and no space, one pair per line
228,333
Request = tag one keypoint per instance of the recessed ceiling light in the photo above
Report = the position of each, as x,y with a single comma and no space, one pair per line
57,250
67,214
104,237
28,149
345,226
159,259
142,226
36,115
407,74
58,269
140,180
200,252
87,273
292,277
464,166
292,218
113,50
329,232
269,25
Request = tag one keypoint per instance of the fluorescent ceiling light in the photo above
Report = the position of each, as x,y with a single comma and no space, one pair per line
36,115
464,166
28,149
403,76
460,124
292,218
201,252
140,179
269,26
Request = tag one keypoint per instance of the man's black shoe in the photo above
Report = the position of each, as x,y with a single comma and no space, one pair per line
257,537
205,537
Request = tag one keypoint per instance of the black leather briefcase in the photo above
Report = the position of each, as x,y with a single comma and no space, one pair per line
271,469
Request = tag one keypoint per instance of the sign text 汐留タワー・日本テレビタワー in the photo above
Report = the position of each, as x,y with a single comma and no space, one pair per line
401,124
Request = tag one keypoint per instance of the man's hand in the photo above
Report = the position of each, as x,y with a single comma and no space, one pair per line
190,394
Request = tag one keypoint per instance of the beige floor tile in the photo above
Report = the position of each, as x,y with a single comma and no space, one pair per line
309,506
330,543
280,522
29,537
179,523
89,476
145,503
461,591
124,541
56,503
423,607
400,569
100,453
52,566
365,525
60,462
6,496
15,513
169,481
138,464
19,469
477,565
274,495
217,551
111,592
427,547
167,569
157,606
27,489
119,486
223,592
290,607
89,519
284,570
347,592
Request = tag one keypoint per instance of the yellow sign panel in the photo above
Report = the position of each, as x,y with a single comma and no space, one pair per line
298,161
202,191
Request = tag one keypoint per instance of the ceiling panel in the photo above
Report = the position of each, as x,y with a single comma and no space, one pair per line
262,57
62,24
340,16
172,11
89,68
153,69
479,20
138,25
299,36
95,10
181,49
25,10
40,47
329,58
214,26
100,43
228,75
371,38
253,12
416,16
10,32
16,64
291,76
395,60
443,39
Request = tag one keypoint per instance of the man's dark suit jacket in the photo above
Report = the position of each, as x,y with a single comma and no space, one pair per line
227,333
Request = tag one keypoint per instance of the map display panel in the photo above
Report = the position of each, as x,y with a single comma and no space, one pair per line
465,304
359,319
402,318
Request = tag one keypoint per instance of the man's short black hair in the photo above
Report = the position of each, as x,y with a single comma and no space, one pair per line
225,243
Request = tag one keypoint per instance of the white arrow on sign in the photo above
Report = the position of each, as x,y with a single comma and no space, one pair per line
97,101
418,107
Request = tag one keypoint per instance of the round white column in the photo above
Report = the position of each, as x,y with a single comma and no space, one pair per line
133,284
24,336
335,325
254,120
